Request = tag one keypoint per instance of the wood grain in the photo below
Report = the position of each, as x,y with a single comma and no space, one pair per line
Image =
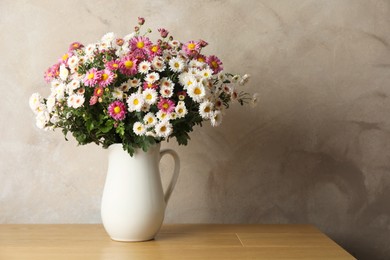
173,242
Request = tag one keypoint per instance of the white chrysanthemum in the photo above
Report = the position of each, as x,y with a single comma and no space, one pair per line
89,49
73,85
120,52
166,92
108,38
150,120
50,103
181,110
145,108
196,64
166,82
125,86
150,96
181,103
176,64
206,109
235,78
162,116
174,43
35,101
221,76
73,62
139,128
54,83
163,129
64,72
254,100
158,63
42,119
173,116
244,79
197,92
134,83
216,118
117,93
77,100
152,77
60,91
103,46
194,71
189,81
206,73
144,67
135,102
55,118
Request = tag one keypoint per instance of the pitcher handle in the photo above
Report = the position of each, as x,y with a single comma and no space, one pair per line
175,175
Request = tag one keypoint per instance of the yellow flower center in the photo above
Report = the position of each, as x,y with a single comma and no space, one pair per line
128,64
150,120
65,56
207,109
191,46
136,102
180,110
201,59
189,82
140,45
149,96
177,65
165,106
139,128
91,76
117,110
98,91
154,48
214,64
115,65
197,91
104,76
163,129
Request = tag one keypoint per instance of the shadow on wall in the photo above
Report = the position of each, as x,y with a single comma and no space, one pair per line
287,171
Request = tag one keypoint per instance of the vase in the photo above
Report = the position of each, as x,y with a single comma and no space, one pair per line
133,201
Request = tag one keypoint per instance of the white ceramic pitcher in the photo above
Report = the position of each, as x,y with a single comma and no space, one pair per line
133,202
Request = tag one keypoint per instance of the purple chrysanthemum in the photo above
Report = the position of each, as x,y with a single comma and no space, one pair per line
214,63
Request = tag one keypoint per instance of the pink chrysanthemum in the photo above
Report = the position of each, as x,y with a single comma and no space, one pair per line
147,85
107,78
98,92
140,44
92,77
113,65
75,46
117,110
191,48
128,65
166,105
214,63
154,50
52,72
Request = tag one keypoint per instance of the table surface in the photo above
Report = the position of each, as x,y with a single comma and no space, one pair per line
181,241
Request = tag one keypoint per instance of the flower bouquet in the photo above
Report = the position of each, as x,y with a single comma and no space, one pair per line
136,92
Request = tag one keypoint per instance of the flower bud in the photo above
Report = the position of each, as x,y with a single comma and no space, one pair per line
163,32
141,20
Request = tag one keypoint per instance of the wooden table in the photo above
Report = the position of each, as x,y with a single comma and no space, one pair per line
173,242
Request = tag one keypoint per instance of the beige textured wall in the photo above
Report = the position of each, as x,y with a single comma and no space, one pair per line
316,149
